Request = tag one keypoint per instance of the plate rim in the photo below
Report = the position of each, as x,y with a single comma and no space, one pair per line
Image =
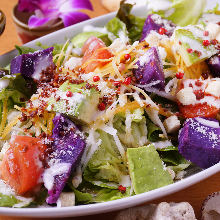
115,205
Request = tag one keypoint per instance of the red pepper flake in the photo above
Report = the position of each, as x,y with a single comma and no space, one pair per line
127,56
198,83
122,189
206,33
179,75
117,83
127,81
206,43
162,31
118,90
69,94
180,43
101,106
214,42
23,117
199,94
96,78
189,50
198,53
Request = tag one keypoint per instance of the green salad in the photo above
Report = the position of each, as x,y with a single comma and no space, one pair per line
115,111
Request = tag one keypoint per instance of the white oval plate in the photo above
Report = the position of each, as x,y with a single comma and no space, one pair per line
60,37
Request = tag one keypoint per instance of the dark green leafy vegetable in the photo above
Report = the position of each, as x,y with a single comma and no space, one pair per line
39,199
153,131
170,155
133,23
88,193
24,86
124,12
137,24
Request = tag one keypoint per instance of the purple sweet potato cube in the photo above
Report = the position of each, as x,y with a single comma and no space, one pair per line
214,65
67,148
154,22
199,141
150,69
31,65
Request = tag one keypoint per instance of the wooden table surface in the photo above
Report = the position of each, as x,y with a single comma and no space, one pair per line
194,194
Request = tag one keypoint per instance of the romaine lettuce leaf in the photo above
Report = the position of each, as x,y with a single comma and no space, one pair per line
146,169
117,27
8,200
88,193
106,166
138,135
173,158
183,12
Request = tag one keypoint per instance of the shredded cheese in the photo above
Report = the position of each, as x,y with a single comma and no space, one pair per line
9,127
4,115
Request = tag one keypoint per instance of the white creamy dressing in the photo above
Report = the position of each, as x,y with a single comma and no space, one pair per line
42,63
50,173
187,97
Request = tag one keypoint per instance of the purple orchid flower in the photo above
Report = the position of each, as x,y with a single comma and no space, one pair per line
47,12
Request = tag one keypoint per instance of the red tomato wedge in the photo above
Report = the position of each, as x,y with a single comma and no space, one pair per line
21,167
94,48
198,110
